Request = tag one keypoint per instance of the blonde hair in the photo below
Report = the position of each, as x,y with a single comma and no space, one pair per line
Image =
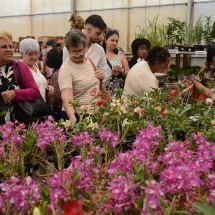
5,35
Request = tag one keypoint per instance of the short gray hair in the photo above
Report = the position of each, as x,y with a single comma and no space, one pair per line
75,37
29,44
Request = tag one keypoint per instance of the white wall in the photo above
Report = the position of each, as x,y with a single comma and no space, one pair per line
50,17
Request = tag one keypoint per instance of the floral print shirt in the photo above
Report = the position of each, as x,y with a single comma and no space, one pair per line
207,76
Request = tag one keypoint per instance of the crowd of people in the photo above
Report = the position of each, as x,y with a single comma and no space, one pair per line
90,59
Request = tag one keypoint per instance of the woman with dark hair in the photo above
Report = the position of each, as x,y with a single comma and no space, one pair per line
54,59
141,78
206,77
117,64
140,48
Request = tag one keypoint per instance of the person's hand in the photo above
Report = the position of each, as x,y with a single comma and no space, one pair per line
99,74
72,120
50,89
209,93
8,96
117,67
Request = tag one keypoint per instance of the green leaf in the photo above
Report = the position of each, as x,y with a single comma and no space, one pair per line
76,176
205,209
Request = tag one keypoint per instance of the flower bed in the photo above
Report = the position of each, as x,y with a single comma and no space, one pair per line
89,169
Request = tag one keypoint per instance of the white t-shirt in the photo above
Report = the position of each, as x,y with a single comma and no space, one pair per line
139,80
40,81
95,52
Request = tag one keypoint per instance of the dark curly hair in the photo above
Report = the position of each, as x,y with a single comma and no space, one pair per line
54,58
108,34
210,55
96,21
137,43
157,53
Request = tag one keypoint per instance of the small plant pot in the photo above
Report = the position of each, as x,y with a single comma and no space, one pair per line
198,48
30,168
188,48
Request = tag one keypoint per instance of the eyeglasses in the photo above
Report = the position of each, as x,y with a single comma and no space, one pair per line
77,53
7,47
30,54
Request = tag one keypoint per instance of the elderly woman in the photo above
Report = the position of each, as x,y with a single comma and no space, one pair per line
9,88
30,49
140,48
77,76
206,77
141,78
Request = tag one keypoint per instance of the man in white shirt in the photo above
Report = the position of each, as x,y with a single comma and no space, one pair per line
94,29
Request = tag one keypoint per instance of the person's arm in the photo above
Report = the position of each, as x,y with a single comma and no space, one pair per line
200,87
66,95
29,90
124,62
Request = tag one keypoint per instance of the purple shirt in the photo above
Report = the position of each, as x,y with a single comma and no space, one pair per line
29,91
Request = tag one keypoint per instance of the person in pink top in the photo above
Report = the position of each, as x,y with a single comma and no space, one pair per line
10,91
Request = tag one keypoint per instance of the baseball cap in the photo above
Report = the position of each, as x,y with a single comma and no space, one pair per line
51,42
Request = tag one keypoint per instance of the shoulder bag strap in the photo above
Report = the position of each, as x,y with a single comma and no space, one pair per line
18,74
109,64
94,66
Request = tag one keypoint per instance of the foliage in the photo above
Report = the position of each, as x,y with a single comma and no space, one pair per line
197,32
175,31
153,31
168,167
209,30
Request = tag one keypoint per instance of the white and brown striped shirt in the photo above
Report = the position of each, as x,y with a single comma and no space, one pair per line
80,78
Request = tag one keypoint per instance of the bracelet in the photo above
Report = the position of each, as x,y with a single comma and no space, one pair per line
122,71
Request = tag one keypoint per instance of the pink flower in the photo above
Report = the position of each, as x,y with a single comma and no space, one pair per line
94,92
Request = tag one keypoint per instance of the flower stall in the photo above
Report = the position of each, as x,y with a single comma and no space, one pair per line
152,155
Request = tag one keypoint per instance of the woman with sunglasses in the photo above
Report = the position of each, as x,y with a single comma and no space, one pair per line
30,50
9,88
117,65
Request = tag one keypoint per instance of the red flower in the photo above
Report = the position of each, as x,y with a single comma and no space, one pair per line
171,94
73,207
99,102
94,92
163,111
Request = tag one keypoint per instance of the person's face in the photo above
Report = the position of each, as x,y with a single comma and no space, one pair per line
77,54
161,67
6,51
112,42
30,57
142,51
94,34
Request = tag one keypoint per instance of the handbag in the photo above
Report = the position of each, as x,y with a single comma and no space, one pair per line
29,110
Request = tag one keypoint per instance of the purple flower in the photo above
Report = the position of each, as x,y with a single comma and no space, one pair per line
83,138
19,194
122,195
122,163
47,132
153,192
108,136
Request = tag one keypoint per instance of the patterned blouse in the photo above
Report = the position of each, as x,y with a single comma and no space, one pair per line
114,82
207,76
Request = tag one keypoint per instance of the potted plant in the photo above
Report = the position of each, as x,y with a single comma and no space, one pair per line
209,31
196,34
175,31
153,31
